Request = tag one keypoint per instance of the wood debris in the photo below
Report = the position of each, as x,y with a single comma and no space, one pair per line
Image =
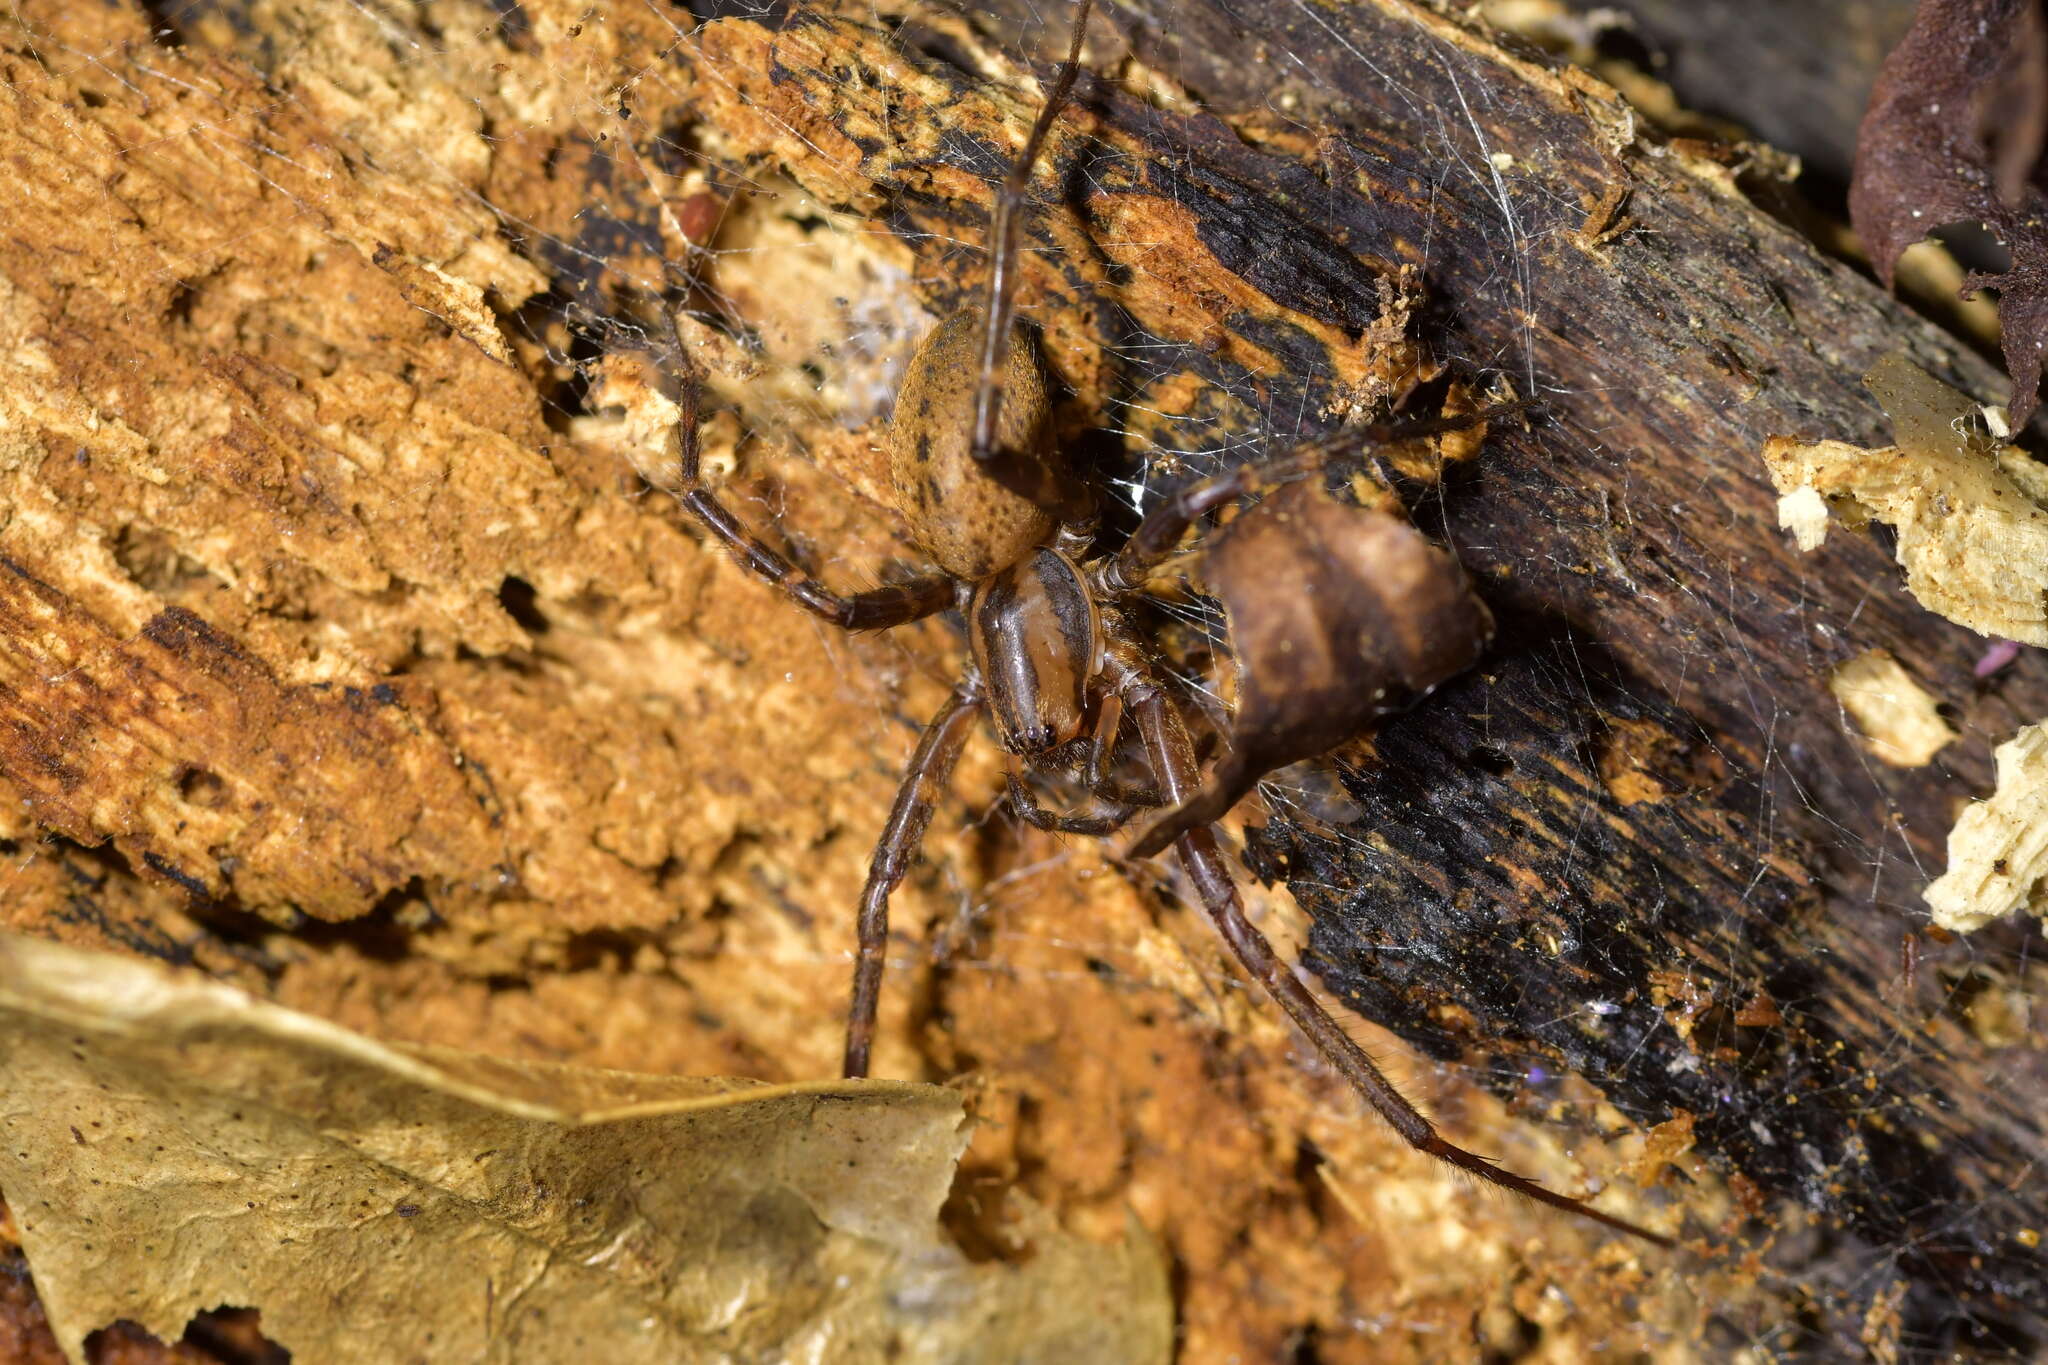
1998,850
1896,714
1971,514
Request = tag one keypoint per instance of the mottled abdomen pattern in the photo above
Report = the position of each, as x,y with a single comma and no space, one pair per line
967,522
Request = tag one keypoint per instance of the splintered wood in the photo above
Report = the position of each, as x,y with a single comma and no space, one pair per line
1998,851
1971,514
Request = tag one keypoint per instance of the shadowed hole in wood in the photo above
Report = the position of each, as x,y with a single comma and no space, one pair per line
200,787
521,603
1490,760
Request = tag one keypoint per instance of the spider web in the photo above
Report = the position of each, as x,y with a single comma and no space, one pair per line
803,310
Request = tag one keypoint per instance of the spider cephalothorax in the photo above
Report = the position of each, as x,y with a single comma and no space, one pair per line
1338,614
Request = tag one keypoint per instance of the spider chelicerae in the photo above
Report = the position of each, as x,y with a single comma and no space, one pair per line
1338,614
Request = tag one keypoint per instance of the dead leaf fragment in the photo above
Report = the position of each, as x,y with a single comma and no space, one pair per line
1953,134
1971,514
1896,714
1340,615
173,1145
1998,850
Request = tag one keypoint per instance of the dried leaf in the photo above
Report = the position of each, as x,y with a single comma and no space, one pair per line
1965,69
1339,615
1971,515
1893,710
173,1145
1998,850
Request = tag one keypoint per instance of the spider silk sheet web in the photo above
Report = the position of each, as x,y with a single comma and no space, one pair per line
697,854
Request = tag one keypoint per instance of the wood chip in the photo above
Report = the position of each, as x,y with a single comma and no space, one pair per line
1998,850
1971,514
1896,714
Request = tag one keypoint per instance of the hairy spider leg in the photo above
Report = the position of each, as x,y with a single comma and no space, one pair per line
895,851
1172,755
1159,534
1043,483
875,609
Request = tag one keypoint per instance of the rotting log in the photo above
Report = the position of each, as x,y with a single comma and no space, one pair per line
327,457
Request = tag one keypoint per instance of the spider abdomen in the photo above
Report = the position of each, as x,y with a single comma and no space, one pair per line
969,523
1037,639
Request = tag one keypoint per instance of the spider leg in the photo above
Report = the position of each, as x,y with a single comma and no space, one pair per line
1119,801
895,851
1043,484
876,609
1113,817
1166,740
1095,774
1158,535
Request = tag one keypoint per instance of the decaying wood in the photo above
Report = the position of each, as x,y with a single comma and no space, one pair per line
332,594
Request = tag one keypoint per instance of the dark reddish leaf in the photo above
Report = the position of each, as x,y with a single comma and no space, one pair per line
1339,614
1954,134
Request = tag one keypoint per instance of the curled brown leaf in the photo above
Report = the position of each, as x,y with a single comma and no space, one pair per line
1339,615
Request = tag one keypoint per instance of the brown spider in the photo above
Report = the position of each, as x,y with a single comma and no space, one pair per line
1338,615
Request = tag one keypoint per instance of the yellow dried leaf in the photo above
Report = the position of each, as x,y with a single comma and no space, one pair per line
172,1145
1971,514
1998,850
1893,710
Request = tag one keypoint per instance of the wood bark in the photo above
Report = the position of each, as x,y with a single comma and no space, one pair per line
334,606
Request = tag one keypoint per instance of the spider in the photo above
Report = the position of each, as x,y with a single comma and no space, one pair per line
1339,614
